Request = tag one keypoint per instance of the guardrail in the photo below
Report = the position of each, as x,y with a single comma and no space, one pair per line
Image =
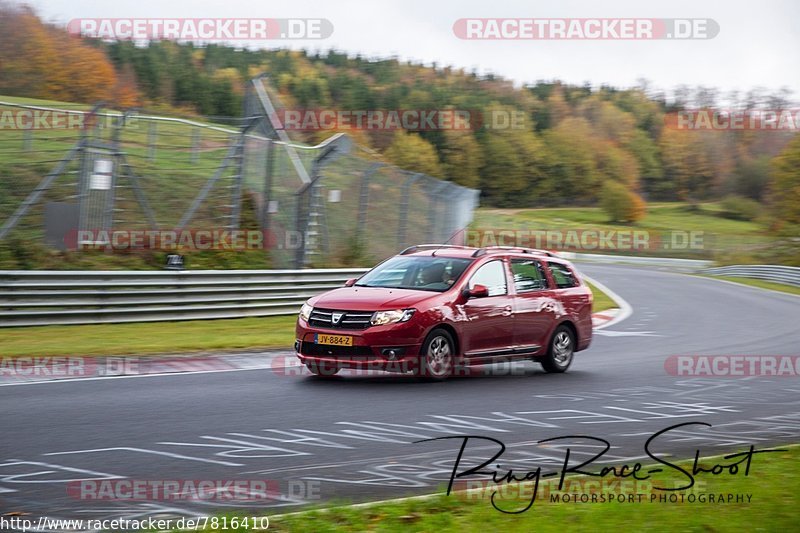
779,274
672,262
30,298
44,297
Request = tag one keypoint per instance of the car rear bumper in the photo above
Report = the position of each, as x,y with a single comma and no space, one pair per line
585,333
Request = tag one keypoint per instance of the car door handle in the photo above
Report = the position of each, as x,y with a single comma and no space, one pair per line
507,311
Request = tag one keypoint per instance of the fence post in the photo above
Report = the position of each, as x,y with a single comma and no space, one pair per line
405,194
152,135
299,225
195,145
236,199
27,140
363,199
268,173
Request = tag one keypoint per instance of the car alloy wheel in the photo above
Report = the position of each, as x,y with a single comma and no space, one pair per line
437,356
561,352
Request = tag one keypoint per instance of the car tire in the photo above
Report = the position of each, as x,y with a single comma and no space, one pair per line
561,351
324,372
437,357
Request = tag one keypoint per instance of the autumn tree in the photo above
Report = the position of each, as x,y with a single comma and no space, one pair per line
43,61
687,164
620,203
462,157
513,164
126,93
571,165
411,152
651,171
785,183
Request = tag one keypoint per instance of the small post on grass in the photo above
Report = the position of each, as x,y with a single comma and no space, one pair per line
195,144
27,140
152,134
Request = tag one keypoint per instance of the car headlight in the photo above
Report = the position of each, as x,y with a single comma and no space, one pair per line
305,312
380,318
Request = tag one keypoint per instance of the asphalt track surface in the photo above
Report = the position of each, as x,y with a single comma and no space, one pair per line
353,437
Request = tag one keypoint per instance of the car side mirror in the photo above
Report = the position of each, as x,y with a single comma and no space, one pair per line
478,291
350,282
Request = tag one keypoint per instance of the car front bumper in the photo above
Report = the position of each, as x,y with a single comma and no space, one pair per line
393,347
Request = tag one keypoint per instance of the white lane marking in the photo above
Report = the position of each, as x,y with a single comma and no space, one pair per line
625,309
611,333
143,450
775,291
53,469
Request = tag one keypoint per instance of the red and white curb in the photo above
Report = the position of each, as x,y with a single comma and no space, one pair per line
601,318
34,370
609,317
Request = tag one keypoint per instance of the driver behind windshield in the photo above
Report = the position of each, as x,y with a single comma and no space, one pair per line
433,277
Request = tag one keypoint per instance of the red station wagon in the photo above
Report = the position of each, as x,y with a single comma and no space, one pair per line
433,309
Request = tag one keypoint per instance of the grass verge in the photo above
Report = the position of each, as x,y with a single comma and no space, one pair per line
722,239
761,284
602,301
773,483
661,217
143,338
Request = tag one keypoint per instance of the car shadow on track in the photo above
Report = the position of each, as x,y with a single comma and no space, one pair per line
492,375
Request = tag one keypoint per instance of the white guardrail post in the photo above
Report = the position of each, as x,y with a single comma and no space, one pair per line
669,262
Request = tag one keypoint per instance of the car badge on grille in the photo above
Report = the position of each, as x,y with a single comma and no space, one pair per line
336,317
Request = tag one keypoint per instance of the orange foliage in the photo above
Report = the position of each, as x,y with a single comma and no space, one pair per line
126,92
43,61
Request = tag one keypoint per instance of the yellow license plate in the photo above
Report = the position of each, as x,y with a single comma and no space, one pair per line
336,340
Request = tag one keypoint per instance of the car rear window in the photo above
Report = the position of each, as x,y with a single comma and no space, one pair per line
562,275
528,275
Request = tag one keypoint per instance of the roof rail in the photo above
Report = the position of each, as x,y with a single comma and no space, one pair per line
520,249
420,247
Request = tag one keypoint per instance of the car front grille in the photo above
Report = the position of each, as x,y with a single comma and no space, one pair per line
323,318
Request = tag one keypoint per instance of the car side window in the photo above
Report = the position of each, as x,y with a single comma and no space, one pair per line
493,276
563,276
528,275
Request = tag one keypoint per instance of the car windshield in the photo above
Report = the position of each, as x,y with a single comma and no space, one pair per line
423,273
